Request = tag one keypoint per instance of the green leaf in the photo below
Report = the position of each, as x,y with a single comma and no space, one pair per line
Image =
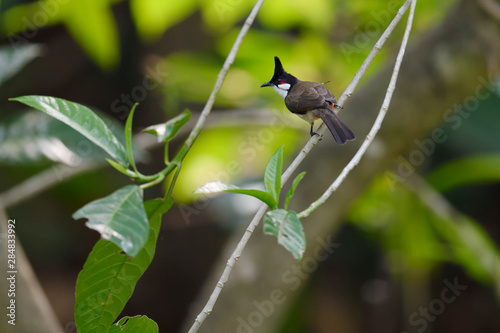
92,25
119,217
32,137
108,278
13,58
158,206
272,175
423,238
153,17
295,183
287,227
80,118
472,247
466,171
134,324
401,224
128,137
218,186
166,131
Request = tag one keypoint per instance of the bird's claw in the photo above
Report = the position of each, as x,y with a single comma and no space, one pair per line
316,133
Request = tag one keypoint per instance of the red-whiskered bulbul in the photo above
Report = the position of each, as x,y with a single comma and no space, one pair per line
309,101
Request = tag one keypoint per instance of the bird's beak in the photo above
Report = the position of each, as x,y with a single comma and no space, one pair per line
267,84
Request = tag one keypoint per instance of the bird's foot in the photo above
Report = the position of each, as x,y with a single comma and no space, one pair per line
316,133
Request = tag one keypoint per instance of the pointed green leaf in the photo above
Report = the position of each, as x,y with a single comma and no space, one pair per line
295,183
272,175
109,277
80,118
166,131
128,137
119,217
218,186
33,137
134,324
287,227
469,170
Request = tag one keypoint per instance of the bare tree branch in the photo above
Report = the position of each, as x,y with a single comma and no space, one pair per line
260,213
207,309
444,66
376,125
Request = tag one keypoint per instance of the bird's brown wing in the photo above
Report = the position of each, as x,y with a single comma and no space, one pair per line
312,96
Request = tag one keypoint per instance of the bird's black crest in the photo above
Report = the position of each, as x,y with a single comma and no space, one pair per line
278,68
280,74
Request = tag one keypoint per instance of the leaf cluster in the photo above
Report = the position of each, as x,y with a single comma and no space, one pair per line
282,223
128,226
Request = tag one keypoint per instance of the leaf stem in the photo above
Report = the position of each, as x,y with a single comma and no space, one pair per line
168,193
128,139
158,177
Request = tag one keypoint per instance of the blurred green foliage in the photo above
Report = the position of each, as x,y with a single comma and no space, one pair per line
93,26
311,37
91,23
401,223
318,40
416,238
466,171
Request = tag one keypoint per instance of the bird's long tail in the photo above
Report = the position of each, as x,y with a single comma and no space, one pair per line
341,133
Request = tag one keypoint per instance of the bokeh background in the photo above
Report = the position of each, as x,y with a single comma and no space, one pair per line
409,242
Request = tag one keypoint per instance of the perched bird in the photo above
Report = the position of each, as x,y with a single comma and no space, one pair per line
309,101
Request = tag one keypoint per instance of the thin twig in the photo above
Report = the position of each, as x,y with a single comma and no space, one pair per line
227,270
376,125
207,309
491,7
223,72
261,211
41,310
43,181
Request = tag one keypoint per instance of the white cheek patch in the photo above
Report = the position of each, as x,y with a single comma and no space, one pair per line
282,89
284,86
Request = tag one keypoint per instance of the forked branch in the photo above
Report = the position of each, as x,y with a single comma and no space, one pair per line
307,148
